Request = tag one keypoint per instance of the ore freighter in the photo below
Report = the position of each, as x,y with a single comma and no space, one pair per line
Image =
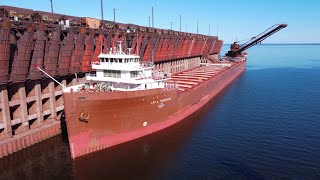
124,99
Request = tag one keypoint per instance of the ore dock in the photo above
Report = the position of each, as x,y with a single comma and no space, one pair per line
31,104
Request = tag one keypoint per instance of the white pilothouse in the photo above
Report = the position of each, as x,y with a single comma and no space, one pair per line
122,72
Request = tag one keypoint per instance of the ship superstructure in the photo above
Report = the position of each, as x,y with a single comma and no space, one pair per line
117,71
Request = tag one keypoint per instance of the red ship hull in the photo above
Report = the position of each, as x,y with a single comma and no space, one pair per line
99,120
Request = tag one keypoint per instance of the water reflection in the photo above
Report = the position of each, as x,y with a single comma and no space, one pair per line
48,159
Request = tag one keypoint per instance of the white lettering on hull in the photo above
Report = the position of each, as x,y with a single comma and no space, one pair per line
161,105
161,101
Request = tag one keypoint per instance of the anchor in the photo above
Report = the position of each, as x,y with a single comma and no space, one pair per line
84,117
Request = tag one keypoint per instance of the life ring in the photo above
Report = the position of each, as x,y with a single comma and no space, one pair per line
145,123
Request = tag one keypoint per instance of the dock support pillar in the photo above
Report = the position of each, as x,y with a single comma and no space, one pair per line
39,109
5,111
52,100
23,110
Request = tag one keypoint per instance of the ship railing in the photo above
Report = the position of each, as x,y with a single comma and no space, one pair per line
169,86
146,64
158,75
91,74
95,63
118,64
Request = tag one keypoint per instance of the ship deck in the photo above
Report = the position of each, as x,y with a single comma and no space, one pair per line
192,78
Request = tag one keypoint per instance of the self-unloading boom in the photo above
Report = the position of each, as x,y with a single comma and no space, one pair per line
237,49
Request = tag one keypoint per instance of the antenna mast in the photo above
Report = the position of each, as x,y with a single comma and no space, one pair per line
51,6
102,10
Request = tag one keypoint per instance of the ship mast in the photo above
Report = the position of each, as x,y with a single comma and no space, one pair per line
137,48
51,6
102,23
102,10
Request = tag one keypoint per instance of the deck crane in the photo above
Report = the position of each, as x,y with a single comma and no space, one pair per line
237,49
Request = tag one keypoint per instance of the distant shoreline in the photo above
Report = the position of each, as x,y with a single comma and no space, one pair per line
268,44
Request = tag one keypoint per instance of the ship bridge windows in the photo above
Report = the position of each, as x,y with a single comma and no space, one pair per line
132,60
134,74
119,60
104,60
112,73
109,60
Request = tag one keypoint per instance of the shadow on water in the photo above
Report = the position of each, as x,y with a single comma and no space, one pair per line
47,159
64,130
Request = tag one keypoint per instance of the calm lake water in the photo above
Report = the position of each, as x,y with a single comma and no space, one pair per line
266,124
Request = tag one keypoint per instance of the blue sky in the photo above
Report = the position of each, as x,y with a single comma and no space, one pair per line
233,18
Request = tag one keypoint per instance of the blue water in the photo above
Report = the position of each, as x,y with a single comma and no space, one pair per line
265,125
